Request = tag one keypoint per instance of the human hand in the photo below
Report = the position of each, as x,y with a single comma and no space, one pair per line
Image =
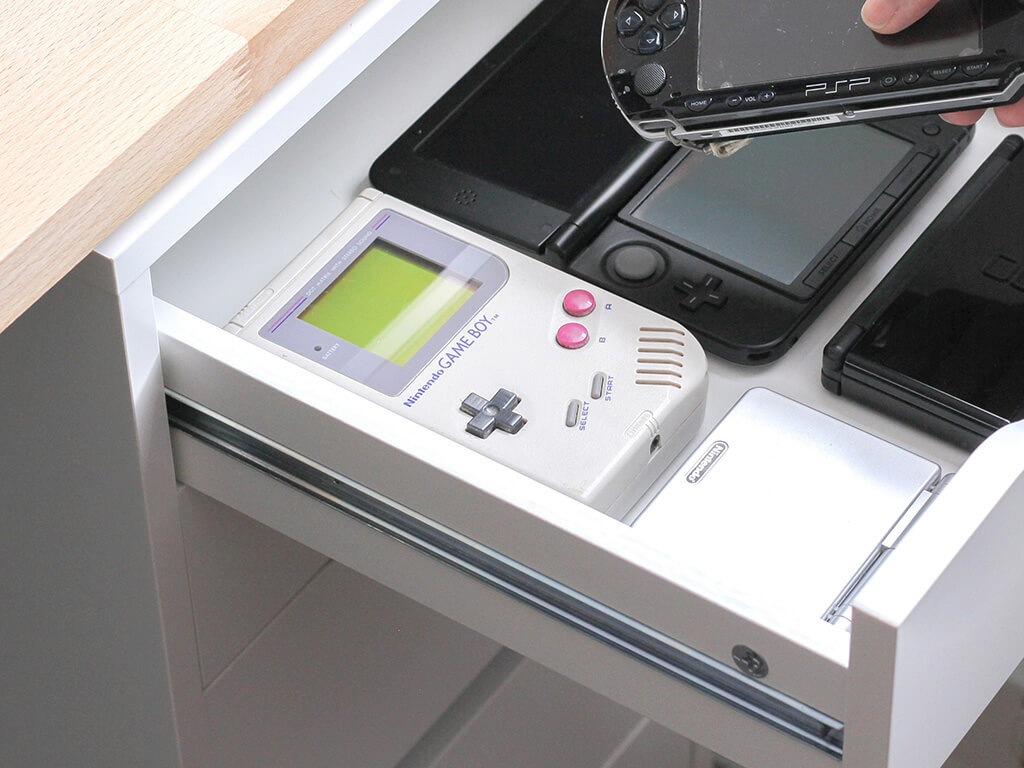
890,16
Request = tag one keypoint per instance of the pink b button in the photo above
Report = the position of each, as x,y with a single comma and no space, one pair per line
572,336
579,303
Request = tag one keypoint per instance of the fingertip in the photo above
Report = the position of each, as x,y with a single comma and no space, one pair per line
966,117
878,13
1011,115
892,16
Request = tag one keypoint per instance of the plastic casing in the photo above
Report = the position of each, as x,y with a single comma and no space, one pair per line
938,266
682,112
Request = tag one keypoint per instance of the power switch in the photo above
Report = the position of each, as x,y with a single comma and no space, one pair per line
249,310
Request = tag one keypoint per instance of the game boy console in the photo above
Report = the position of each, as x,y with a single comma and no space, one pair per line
566,383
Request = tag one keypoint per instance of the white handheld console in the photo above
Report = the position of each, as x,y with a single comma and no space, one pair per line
573,386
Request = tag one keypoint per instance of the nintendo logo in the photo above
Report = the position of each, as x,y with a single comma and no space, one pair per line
715,452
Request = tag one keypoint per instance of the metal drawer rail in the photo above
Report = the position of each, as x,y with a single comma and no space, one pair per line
512,578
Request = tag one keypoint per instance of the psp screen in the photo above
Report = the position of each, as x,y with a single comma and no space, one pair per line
746,43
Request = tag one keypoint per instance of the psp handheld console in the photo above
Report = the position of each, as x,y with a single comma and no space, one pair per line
711,71
566,383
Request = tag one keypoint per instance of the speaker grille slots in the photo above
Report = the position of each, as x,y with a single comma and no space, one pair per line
465,197
660,355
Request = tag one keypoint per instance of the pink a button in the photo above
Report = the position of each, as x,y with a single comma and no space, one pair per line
572,336
579,303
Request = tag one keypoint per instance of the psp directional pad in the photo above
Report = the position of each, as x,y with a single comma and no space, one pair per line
498,412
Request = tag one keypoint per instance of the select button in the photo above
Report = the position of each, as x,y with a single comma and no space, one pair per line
572,413
828,265
942,73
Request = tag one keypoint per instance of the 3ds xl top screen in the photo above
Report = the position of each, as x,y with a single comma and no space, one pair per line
545,109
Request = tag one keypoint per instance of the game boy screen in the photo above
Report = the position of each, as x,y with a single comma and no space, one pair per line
390,302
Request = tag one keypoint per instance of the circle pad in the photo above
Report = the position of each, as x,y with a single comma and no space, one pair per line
635,262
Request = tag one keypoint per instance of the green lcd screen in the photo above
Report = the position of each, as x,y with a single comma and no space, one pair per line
390,302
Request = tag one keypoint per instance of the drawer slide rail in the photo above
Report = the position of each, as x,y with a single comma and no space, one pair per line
557,600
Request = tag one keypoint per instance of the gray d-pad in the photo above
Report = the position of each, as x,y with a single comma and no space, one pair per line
498,412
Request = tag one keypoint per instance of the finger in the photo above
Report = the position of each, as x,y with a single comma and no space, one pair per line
967,117
889,16
1011,115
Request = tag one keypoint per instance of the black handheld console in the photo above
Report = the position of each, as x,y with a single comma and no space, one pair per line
707,71
940,341
744,252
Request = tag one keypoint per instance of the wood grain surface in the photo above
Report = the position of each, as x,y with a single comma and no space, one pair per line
101,103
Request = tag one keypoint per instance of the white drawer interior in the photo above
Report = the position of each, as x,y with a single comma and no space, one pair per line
211,272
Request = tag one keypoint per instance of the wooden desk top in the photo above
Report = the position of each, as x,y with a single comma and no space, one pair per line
101,103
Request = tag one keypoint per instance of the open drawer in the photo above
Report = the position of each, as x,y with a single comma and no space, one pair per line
519,562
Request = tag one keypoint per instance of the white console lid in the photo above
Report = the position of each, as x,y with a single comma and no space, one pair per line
783,503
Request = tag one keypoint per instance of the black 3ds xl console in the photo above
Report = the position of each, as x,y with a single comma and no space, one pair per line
743,251
940,342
